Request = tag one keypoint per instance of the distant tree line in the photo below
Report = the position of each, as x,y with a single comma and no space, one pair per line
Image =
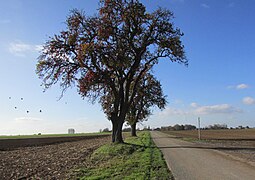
177,127
224,126
240,127
217,126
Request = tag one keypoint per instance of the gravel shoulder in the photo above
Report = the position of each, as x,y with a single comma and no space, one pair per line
55,161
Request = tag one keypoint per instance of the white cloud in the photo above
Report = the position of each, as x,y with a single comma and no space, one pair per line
196,109
217,109
248,100
239,86
242,86
194,105
21,49
169,111
27,119
38,47
205,5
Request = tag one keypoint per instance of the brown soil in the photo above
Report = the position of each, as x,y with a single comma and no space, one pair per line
223,134
54,161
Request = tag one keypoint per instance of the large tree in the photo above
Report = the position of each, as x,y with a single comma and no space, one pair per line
109,53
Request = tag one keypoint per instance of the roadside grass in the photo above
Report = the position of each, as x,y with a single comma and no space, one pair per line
50,135
138,158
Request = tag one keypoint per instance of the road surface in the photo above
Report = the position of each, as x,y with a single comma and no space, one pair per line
188,161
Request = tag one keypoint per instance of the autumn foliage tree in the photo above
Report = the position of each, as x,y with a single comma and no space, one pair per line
149,94
108,54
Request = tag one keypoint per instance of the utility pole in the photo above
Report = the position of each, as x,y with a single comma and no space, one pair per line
199,132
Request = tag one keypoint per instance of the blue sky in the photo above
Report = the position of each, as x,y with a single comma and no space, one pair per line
218,85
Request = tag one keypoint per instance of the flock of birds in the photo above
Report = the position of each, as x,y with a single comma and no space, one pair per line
27,111
22,100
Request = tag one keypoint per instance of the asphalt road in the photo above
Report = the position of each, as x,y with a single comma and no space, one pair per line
188,161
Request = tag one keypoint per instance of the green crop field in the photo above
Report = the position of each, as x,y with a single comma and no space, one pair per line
48,135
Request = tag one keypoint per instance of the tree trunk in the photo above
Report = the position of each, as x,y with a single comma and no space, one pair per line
117,131
118,137
114,130
117,123
133,129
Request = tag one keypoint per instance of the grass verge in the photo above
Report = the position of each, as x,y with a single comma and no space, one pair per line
138,158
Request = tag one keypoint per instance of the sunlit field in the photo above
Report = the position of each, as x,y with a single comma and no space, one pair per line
49,135
228,134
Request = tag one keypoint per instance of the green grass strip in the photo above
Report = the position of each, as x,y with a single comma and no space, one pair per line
138,159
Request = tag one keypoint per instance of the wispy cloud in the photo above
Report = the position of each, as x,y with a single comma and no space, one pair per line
196,109
22,49
248,100
169,111
239,86
194,105
205,5
27,119
242,86
217,109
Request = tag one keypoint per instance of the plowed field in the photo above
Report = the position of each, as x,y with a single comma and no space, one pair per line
228,134
46,158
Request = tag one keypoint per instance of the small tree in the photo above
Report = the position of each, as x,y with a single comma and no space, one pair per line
178,127
149,93
189,127
107,55
106,130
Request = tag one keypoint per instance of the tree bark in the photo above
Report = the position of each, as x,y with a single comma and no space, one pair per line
117,131
118,136
114,129
133,129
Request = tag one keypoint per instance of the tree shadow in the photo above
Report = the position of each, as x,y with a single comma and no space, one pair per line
207,147
164,137
211,139
194,147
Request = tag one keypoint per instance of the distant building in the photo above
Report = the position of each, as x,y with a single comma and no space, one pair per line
71,131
